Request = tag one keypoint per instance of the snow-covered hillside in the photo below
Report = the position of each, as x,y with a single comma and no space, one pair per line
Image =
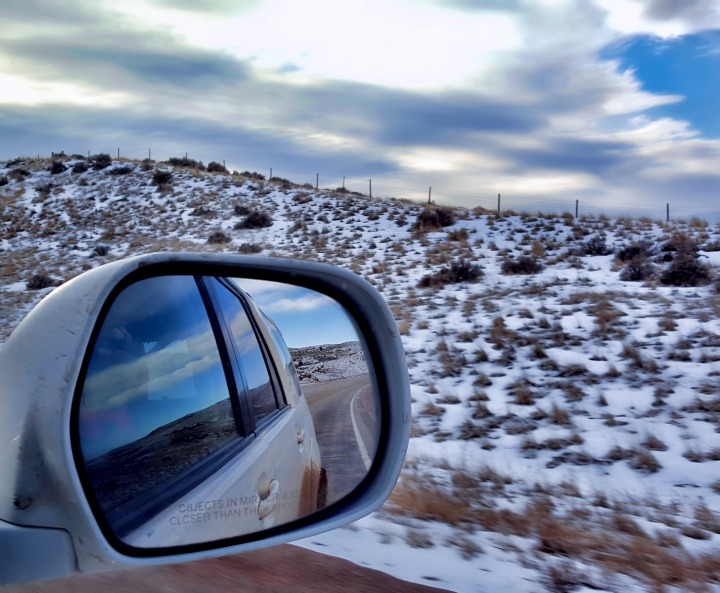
565,421
329,362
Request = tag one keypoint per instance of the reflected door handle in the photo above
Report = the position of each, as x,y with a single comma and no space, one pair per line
268,500
300,435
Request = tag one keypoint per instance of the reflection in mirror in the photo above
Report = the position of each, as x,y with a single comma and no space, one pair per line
217,407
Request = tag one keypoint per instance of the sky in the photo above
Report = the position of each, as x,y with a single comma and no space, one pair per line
304,317
609,102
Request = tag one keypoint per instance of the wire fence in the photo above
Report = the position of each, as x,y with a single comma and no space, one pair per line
499,202
387,187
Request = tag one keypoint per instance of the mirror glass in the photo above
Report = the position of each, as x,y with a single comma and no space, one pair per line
217,407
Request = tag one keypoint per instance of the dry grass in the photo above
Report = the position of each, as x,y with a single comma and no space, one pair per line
584,533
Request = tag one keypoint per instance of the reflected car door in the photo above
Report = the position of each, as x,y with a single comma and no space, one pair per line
284,452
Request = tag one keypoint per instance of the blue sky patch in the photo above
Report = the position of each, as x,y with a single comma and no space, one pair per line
687,66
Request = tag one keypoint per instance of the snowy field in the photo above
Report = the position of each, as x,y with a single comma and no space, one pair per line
566,420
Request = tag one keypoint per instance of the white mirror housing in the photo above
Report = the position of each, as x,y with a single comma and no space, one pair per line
46,520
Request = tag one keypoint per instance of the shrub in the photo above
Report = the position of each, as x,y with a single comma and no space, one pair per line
637,271
218,237
19,174
458,235
597,246
680,243
644,461
250,248
44,188
57,167
432,219
284,183
254,175
80,167
214,167
40,281
77,157
524,264
4,181
147,164
458,271
242,210
124,170
637,250
100,161
162,177
101,250
186,162
255,220
685,270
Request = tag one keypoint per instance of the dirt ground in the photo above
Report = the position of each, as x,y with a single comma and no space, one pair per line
282,569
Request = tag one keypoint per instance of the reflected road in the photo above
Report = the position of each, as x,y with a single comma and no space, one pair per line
346,424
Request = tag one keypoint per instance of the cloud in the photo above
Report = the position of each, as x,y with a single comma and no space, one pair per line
552,115
107,64
680,9
210,6
573,155
298,305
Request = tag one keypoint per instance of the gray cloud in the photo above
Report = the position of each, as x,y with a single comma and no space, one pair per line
573,155
402,118
101,63
484,5
211,6
47,11
663,10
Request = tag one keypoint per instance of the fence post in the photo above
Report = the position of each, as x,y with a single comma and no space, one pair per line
317,181
370,188
149,154
498,210
577,202
667,212
224,167
343,181
186,155
430,194
118,156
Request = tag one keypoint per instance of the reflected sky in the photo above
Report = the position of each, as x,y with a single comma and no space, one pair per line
303,316
154,362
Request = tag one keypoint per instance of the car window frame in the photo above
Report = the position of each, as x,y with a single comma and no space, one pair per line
281,399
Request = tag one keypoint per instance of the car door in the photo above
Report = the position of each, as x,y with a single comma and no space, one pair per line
287,460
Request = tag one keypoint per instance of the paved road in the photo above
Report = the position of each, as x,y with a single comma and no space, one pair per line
343,411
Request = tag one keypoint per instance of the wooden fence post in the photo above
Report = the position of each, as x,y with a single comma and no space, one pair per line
430,195
371,188
498,209
577,203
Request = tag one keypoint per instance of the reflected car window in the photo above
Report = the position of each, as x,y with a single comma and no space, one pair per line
287,360
249,354
155,400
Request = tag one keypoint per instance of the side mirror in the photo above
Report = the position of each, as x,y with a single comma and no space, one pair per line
178,406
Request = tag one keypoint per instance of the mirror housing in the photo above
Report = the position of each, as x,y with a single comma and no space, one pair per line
43,505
